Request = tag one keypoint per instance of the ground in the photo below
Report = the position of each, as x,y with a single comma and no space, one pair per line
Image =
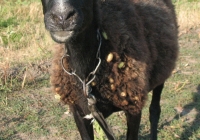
29,110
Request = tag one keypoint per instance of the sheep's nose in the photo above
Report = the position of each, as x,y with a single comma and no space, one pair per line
63,18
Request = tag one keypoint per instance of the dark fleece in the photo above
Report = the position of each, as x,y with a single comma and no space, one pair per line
142,35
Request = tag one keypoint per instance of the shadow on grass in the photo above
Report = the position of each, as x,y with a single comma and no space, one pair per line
11,134
189,130
191,127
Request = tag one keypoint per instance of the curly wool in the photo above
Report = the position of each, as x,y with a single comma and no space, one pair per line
126,90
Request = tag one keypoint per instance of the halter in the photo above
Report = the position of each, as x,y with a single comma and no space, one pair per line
87,90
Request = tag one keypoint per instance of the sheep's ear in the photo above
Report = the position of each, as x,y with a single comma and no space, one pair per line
44,5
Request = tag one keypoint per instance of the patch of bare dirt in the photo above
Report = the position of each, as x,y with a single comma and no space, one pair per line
25,72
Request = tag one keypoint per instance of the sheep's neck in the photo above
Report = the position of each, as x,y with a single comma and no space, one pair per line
82,52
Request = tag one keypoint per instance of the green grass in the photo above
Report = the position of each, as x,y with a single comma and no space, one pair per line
28,109
22,31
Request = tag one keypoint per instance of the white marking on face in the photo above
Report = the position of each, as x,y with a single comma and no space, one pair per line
62,36
62,6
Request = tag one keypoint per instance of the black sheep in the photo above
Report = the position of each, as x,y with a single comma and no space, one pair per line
135,43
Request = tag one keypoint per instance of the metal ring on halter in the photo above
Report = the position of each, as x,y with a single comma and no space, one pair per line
93,72
92,79
70,73
63,65
91,99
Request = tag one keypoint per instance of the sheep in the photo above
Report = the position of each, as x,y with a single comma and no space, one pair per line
117,51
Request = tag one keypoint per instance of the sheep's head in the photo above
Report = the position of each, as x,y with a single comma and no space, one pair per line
65,19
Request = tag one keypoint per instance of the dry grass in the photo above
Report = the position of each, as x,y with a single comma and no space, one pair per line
188,14
25,40
34,41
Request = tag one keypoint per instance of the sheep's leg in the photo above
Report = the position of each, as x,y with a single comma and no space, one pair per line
85,126
133,123
155,110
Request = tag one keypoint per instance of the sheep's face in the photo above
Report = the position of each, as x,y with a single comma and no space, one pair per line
65,19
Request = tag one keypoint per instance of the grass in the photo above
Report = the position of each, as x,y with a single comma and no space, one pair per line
188,14
28,109
22,32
